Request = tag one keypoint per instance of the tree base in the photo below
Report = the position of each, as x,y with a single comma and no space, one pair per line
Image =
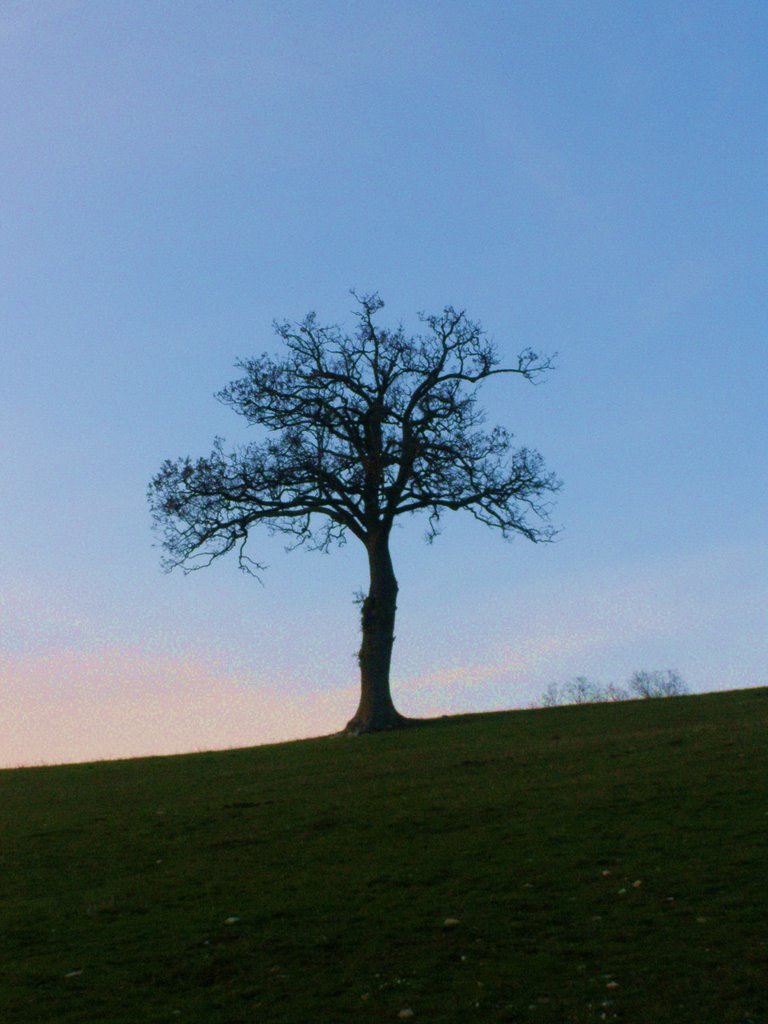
361,725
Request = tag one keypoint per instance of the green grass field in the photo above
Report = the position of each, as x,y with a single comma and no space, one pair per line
594,863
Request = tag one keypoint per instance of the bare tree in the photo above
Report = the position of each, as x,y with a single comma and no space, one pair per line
364,428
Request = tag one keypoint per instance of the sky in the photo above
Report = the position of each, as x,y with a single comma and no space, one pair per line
584,179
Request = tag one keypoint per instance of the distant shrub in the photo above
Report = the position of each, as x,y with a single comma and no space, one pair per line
578,691
657,684
646,685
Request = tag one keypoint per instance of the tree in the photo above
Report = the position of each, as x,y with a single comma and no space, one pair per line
363,428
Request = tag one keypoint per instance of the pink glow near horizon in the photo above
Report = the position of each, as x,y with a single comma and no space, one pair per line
66,698
114,702
119,702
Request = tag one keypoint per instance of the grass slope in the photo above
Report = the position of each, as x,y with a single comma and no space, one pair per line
604,863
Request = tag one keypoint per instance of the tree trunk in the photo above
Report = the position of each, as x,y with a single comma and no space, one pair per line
376,711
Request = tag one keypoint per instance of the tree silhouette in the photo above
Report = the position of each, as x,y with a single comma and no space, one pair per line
363,428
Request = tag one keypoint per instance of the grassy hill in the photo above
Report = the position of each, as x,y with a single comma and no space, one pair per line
592,863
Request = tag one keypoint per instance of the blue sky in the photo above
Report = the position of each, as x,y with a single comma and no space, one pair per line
586,179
